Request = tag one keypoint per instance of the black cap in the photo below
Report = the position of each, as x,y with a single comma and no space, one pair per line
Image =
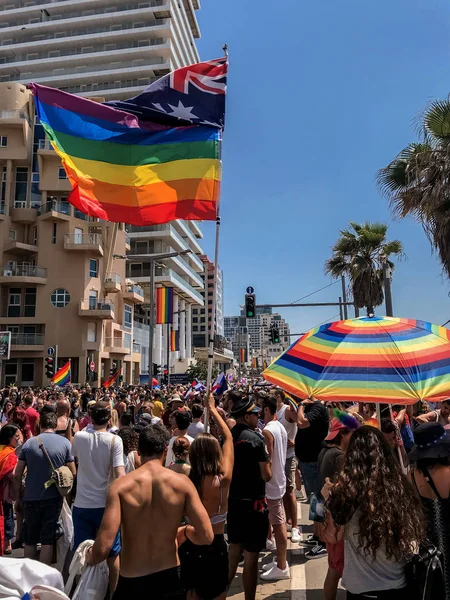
244,406
432,441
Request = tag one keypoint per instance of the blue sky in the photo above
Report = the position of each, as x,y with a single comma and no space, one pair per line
320,96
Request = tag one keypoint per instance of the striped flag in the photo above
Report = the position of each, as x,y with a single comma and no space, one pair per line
174,340
109,382
62,376
164,305
243,355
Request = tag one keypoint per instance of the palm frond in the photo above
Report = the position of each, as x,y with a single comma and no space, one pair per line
437,119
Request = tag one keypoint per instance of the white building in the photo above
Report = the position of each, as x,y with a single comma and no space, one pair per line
202,315
107,48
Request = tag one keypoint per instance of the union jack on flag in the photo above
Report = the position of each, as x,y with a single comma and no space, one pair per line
190,95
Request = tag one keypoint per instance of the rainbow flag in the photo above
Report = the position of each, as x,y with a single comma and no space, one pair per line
62,376
123,169
164,305
109,382
243,355
255,363
174,340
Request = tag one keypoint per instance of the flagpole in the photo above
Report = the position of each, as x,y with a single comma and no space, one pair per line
168,354
214,298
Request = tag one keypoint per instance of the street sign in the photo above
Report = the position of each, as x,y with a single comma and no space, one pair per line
250,290
51,351
92,366
5,345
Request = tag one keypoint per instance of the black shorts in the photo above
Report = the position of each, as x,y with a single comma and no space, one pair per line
163,585
248,523
41,521
204,569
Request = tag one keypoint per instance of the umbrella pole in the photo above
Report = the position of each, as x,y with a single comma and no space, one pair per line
400,456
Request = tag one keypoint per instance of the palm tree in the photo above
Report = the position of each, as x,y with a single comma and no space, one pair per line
360,253
417,180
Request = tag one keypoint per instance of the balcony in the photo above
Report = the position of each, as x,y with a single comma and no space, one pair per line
167,233
96,308
54,210
84,242
23,215
112,283
23,274
12,117
170,278
45,148
127,242
136,348
30,342
15,247
134,293
117,345
183,268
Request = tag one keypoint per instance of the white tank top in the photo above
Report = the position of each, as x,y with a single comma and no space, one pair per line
276,487
291,429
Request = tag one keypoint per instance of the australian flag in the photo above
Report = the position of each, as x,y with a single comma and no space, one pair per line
193,95
220,385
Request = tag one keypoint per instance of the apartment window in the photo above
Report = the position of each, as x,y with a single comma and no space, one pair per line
60,298
27,371
3,141
93,267
202,319
92,332
127,316
12,234
11,372
35,178
14,302
3,189
93,297
195,319
21,184
35,236
54,53
62,173
54,233
30,302
202,328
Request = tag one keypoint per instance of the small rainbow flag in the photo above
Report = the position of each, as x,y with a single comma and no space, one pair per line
255,363
62,376
109,382
164,305
243,355
174,340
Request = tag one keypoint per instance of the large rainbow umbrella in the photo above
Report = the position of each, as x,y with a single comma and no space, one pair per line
370,359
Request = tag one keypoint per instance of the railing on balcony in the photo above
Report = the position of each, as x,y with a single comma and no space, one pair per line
45,145
27,339
112,278
23,270
14,113
135,289
160,272
115,342
92,303
127,239
87,239
58,206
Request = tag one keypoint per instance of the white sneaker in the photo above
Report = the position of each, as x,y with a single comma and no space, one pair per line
295,535
271,546
270,564
275,574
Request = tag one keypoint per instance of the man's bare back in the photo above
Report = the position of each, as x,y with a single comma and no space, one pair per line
152,501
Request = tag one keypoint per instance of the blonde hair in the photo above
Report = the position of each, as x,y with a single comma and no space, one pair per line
114,419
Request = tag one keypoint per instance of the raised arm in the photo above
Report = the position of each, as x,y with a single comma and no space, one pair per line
228,446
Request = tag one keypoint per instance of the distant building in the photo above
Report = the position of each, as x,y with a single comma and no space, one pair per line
201,315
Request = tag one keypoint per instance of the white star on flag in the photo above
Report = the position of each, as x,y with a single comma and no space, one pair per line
183,112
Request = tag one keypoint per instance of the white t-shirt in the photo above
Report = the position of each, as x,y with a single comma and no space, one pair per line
170,458
93,449
195,428
291,429
276,487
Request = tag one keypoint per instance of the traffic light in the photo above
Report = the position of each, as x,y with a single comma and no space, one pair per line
49,366
250,311
274,335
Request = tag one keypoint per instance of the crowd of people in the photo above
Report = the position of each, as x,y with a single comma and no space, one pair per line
175,504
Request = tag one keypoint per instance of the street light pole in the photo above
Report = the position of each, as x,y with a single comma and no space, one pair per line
387,290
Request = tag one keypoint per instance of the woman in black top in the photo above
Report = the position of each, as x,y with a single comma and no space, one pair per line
431,478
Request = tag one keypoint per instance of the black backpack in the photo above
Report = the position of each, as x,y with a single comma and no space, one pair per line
425,574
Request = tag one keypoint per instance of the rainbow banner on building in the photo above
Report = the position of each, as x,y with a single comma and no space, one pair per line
243,355
174,340
123,169
164,305
255,363
62,376
109,382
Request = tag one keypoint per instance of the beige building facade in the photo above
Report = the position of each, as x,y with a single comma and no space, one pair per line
60,284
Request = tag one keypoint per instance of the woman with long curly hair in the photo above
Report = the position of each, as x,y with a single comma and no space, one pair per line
375,510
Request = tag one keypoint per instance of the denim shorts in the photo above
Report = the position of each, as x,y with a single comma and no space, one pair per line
86,523
41,521
8,516
310,476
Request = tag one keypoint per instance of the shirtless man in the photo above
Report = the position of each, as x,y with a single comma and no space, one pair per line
149,505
